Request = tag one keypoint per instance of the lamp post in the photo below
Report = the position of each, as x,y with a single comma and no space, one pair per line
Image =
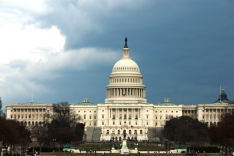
166,141
54,140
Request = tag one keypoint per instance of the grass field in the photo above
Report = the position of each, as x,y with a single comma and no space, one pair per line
107,146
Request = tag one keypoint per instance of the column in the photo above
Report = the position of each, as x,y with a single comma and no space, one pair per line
132,114
127,116
139,112
109,113
117,113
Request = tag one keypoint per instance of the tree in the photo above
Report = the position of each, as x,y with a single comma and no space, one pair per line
157,133
185,129
223,134
12,133
64,124
41,133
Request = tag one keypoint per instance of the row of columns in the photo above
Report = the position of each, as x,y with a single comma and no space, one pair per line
127,81
135,113
30,114
126,92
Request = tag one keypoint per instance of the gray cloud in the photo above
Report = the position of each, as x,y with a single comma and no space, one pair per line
184,48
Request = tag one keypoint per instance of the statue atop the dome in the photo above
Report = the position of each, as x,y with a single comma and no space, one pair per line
126,44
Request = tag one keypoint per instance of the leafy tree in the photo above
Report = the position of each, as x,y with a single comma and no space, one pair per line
185,129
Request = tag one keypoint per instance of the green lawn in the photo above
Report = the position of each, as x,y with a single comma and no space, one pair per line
106,146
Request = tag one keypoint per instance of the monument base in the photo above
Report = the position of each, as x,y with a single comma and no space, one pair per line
124,149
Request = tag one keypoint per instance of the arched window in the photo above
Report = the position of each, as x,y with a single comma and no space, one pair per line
140,131
135,131
107,132
130,132
118,131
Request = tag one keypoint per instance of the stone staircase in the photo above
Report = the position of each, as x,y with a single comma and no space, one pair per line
97,134
93,134
153,134
89,134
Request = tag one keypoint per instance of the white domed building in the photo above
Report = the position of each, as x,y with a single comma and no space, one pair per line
125,108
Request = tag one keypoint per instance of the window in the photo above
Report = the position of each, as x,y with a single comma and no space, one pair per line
94,117
120,123
155,123
107,132
102,123
113,123
129,123
160,117
135,131
84,116
136,123
94,123
103,116
147,110
118,131
147,116
90,117
176,111
156,117
140,131
155,111
90,124
130,132
102,110
147,123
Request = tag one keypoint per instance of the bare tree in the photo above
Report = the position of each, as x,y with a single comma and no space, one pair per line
64,124
41,133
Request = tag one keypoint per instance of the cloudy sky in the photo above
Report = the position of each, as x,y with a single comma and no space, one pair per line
65,50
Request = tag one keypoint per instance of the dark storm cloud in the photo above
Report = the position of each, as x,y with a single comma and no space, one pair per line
183,48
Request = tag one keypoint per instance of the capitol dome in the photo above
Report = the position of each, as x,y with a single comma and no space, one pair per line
125,81
126,65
